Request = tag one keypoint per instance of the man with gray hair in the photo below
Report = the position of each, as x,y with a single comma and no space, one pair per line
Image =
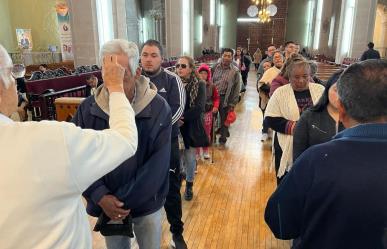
139,186
46,166
335,195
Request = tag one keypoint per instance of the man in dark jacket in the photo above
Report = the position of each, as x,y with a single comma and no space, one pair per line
170,87
371,53
138,186
335,194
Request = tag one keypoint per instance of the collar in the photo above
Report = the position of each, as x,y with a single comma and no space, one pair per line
134,96
365,131
4,119
95,110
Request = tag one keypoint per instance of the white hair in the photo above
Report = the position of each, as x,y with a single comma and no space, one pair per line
120,46
5,63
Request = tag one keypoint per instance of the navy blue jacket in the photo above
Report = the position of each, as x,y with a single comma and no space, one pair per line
170,87
335,196
370,54
141,182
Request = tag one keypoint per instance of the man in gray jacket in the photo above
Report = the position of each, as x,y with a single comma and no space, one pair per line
227,78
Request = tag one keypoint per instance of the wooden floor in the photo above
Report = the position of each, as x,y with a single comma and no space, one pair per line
230,195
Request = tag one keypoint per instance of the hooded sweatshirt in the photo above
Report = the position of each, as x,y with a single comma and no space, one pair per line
212,95
141,182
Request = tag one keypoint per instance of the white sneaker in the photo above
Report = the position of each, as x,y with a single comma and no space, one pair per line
264,137
206,156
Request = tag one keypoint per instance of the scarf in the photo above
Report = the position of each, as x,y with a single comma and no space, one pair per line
191,87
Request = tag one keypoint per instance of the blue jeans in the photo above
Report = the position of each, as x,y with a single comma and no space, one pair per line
189,163
147,230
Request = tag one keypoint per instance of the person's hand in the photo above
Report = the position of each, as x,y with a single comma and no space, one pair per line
180,122
112,74
112,207
214,110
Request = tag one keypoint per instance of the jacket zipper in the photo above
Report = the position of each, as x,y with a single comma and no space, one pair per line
315,127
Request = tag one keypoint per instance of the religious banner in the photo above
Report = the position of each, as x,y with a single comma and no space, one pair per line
24,38
65,35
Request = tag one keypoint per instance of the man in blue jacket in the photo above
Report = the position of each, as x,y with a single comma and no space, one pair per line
138,186
335,195
170,87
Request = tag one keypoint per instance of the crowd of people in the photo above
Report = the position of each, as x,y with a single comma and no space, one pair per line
141,131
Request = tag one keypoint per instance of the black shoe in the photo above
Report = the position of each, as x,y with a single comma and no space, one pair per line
178,242
188,194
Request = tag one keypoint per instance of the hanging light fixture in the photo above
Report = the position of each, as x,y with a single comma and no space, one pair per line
263,10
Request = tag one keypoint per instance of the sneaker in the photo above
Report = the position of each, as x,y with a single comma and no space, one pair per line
178,242
264,137
206,156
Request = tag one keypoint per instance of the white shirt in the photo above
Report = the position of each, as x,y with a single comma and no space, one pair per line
45,166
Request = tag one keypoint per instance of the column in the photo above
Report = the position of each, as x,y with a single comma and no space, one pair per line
84,32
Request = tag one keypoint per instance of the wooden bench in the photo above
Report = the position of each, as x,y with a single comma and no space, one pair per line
349,61
66,107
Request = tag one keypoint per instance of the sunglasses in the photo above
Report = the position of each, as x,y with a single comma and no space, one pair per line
183,66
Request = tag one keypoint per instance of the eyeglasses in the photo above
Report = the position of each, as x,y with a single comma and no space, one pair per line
183,66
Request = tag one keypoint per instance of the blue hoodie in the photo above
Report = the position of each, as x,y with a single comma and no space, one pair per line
141,182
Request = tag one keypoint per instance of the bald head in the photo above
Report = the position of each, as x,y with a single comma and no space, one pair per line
8,93
5,68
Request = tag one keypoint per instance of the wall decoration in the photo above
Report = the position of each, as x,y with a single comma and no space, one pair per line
24,38
64,26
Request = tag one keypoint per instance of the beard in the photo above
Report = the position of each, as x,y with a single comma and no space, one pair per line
151,73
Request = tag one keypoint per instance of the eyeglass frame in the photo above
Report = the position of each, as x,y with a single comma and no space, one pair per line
183,66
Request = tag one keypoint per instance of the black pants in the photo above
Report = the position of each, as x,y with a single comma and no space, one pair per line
173,202
265,125
277,159
223,111
244,77
256,66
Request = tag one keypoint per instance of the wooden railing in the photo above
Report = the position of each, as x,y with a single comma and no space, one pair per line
43,106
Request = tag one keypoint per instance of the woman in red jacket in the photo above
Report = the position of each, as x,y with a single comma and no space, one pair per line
211,107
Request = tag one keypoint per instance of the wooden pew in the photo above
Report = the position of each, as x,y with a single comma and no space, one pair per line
42,93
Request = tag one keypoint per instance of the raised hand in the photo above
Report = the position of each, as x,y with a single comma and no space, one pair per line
112,74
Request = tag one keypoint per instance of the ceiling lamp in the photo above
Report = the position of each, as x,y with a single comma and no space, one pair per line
263,10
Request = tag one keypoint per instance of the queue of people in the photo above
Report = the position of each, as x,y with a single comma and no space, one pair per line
122,151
